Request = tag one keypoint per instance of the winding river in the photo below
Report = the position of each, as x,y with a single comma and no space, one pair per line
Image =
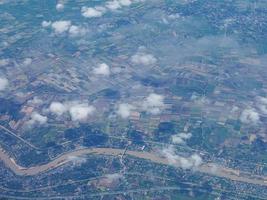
206,168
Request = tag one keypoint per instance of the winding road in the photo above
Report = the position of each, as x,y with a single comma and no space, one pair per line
206,168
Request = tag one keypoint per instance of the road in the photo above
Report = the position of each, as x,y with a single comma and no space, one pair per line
18,137
207,168
101,194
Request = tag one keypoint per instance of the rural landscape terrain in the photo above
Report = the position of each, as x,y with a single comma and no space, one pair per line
133,99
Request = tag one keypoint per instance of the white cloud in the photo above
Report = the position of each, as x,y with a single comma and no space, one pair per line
262,104
3,83
98,11
117,4
196,159
76,160
102,69
153,103
60,6
180,138
80,112
190,162
27,61
174,16
177,140
125,2
249,116
110,178
142,58
46,24
61,26
77,111
113,5
36,118
262,99
93,12
36,101
76,31
4,62
124,110
57,108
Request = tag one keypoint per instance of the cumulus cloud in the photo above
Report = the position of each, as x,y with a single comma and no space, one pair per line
262,104
37,118
249,116
262,99
190,162
27,61
180,138
57,108
76,160
110,178
3,83
196,160
36,101
102,69
125,2
124,110
98,11
80,112
64,26
61,26
77,31
142,58
46,23
113,5
154,103
92,12
60,6
4,62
